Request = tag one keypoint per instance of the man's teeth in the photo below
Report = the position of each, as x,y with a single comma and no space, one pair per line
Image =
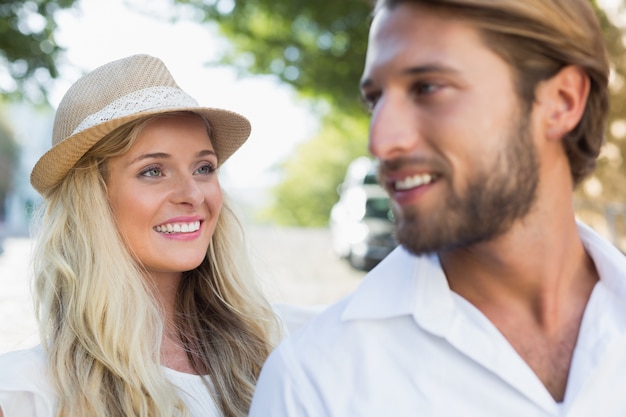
178,227
414,181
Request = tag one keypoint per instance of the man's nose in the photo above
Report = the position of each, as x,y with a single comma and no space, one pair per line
393,128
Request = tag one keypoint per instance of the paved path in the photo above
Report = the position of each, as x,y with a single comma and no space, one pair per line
296,266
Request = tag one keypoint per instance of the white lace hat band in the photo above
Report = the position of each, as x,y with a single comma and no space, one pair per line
151,98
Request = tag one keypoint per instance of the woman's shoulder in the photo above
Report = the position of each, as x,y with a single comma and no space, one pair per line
22,365
24,386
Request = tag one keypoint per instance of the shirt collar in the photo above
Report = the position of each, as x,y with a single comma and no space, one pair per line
404,284
609,261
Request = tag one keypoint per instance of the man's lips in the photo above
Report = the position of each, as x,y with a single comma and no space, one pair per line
409,173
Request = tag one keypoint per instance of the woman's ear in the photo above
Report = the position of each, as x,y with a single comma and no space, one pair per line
565,98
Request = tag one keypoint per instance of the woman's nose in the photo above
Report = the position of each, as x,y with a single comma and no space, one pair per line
188,191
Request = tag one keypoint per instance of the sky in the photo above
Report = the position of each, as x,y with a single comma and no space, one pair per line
612,8
96,32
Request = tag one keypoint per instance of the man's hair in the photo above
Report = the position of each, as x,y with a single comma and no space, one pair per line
537,38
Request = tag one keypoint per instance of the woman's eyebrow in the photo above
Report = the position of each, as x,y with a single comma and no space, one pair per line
206,152
154,155
164,155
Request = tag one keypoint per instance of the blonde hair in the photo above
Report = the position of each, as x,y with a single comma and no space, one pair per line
88,286
538,38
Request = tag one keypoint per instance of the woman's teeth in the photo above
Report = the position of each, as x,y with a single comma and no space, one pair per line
178,227
414,181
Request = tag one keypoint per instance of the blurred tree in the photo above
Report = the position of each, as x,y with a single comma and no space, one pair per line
601,200
319,48
609,180
28,51
312,174
28,54
8,163
316,46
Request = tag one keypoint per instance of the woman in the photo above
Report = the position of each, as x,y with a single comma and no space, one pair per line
145,298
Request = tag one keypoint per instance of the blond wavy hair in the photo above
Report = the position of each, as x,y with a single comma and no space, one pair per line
101,324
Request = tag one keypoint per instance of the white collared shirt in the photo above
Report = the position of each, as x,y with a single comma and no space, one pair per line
403,344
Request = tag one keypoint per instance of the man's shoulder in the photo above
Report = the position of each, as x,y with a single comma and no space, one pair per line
386,291
323,324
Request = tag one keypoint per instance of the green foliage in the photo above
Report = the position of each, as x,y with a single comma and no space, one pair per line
318,47
313,172
28,51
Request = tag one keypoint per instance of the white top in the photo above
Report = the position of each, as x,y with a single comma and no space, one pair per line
25,391
403,344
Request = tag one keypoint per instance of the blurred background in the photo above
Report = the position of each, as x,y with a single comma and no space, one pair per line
292,67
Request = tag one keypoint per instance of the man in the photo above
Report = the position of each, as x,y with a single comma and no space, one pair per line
485,116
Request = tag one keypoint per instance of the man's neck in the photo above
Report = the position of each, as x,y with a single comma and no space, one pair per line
534,287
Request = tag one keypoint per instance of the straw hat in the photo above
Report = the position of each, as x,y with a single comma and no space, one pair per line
117,93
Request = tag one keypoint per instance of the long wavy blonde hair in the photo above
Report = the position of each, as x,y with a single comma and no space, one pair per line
101,324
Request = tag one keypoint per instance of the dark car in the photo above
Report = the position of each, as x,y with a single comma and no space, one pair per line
361,222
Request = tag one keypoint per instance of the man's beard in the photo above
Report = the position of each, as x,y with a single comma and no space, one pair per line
493,200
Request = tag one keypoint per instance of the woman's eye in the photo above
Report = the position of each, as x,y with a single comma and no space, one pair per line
205,169
151,172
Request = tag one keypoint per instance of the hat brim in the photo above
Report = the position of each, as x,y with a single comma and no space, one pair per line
229,130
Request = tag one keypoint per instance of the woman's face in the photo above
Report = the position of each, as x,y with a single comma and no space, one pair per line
165,194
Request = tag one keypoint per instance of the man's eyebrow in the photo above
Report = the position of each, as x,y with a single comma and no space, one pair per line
430,68
416,70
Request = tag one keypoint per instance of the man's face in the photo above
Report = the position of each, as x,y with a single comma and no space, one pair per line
455,147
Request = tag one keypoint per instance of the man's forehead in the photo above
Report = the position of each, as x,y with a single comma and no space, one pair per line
414,36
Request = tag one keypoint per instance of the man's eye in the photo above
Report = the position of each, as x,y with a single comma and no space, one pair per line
423,88
370,100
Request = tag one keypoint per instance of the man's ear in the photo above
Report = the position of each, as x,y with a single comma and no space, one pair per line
565,98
